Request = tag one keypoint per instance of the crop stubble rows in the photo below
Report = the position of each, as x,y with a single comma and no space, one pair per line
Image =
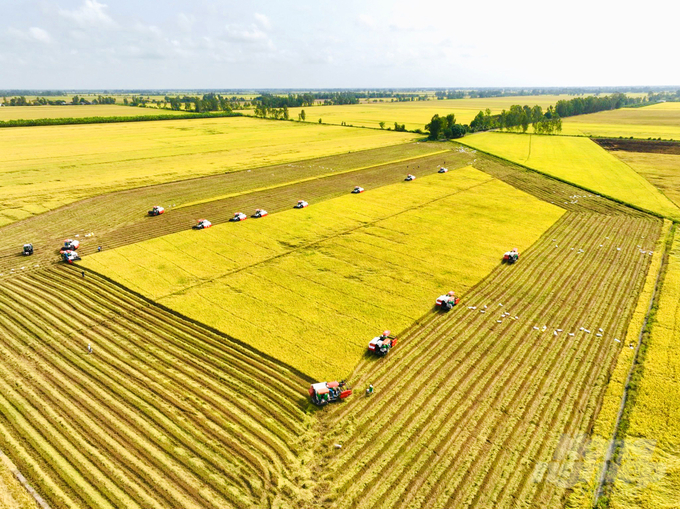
467,407
164,413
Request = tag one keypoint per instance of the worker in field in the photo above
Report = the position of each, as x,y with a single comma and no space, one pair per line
99,249
89,348
369,391
83,273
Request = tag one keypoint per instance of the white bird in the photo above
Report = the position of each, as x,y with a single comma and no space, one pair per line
559,330
535,328
600,329
555,333
586,331
598,335
571,334
616,339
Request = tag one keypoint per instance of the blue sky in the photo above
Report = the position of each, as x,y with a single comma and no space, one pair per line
79,44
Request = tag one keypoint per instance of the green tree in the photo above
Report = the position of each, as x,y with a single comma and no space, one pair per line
302,116
382,125
435,127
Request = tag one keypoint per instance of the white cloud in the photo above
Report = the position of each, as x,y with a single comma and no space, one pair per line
32,34
366,20
90,14
39,34
249,35
263,21
185,22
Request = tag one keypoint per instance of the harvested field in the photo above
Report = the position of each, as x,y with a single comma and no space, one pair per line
42,168
473,408
646,146
163,413
117,219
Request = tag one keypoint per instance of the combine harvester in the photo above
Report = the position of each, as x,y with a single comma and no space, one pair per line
443,170
382,344
357,190
260,213
446,302
323,393
69,245
301,204
28,249
69,256
156,211
202,225
238,216
410,177
511,256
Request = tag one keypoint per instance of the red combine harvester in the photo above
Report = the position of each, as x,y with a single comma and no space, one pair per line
446,302
69,245
511,256
301,204
260,213
238,216
202,224
156,211
357,190
382,344
323,393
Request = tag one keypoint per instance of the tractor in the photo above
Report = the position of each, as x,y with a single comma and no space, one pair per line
28,249
156,211
323,393
238,216
446,302
69,256
260,213
409,178
202,224
511,256
382,344
301,204
357,190
443,170
69,245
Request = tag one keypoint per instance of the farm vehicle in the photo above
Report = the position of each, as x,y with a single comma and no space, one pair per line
511,256
410,177
28,249
443,170
357,190
202,224
381,345
69,245
156,211
301,204
446,302
69,256
323,393
238,216
260,213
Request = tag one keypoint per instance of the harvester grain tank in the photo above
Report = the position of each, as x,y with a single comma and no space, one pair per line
156,210
381,345
511,256
202,224
323,393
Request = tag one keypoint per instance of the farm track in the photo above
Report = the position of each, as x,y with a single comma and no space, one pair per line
466,407
164,413
118,219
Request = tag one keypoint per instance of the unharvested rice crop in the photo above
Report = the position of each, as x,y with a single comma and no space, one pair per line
415,114
662,170
311,287
656,121
98,110
577,160
42,168
649,474
162,413
489,405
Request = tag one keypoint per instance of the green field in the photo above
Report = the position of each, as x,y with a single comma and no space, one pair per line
312,287
96,110
42,168
417,113
656,121
577,160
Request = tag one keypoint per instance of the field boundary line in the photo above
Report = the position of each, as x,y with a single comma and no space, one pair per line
611,449
308,179
20,477
564,181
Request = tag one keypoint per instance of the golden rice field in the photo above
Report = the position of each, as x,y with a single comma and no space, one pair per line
72,111
655,121
662,170
416,114
12,494
42,168
311,287
577,160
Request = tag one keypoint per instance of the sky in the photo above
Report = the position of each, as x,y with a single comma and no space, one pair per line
224,44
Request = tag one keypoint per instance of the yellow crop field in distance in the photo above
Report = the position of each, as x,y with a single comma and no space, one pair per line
42,168
72,111
311,287
655,121
579,161
415,114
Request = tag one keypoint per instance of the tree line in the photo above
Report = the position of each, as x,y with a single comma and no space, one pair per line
43,101
593,104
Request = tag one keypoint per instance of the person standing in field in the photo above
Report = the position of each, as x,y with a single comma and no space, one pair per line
89,348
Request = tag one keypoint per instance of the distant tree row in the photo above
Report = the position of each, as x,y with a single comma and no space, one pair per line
593,104
42,101
445,127
519,118
111,120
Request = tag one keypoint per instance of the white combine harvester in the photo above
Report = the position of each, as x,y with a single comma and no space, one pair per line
69,256
446,302
382,344
357,190
202,224
260,213
238,216
443,170
156,210
69,245
301,204
511,256
410,177
323,393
